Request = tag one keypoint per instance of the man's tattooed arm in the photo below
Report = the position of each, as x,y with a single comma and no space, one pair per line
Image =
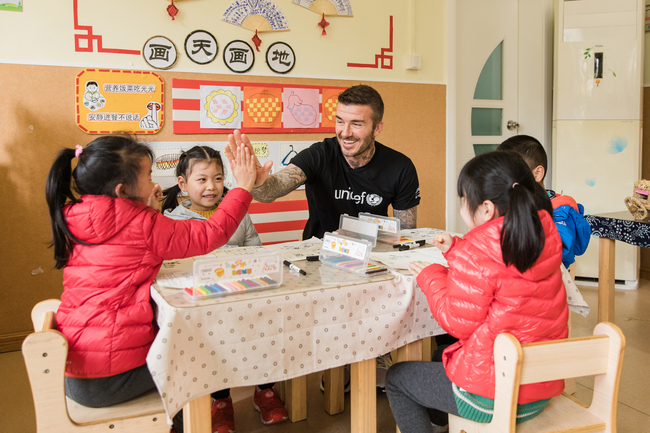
279,184
408,218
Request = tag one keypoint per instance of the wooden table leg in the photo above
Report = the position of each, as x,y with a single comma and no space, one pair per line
606,274
363,396
296,398
410,352
428,345
197,415
334,390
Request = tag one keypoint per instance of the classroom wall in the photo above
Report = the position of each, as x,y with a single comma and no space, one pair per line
37,88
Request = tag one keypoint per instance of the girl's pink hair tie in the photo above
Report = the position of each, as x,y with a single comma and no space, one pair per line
78,151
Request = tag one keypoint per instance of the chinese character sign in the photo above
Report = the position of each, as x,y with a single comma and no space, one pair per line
160,53
113,101
239,56
201,47
280,57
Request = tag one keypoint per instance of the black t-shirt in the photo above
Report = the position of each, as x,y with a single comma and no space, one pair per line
333,188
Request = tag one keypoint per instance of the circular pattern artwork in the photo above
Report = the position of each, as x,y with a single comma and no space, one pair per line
329,107
221,106
263,107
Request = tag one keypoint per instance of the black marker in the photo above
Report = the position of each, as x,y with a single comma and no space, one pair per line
410,245
293,267
420,243
312,258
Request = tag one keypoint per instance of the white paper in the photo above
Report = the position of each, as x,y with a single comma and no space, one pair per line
299,250
401,259
424,233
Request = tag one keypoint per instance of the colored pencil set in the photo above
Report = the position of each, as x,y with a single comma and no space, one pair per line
353,265
232,286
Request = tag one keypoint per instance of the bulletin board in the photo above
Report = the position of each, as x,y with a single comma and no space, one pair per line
33,129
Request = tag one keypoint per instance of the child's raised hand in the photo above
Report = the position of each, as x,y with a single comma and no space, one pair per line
244,168
154,198
417,267
443,242
237,139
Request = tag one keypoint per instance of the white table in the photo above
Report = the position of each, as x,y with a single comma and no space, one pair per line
326,319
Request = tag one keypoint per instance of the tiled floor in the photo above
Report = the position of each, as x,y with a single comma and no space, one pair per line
632,315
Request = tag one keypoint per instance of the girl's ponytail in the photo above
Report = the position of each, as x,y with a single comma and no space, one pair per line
506,180
171,198
102,165
58,193
522,235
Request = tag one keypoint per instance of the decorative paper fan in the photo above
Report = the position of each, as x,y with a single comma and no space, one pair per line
257,15
327,7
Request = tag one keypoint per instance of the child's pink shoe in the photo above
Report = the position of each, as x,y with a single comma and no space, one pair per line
223,416
269,405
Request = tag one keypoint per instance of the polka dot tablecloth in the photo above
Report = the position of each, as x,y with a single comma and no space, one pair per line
325,319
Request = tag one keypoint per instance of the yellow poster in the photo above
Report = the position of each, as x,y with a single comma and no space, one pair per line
110,101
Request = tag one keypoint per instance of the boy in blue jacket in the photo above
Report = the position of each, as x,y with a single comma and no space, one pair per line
567,213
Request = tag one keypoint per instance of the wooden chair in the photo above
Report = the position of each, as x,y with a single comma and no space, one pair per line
600,355
45,352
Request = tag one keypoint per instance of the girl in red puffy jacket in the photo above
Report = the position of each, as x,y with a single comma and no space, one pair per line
111,242
503,276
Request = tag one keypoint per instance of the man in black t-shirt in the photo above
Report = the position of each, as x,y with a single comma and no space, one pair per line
346,174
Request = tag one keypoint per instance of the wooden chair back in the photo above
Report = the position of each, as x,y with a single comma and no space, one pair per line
45,352
599,355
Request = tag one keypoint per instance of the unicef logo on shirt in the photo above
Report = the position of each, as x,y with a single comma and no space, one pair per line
373,199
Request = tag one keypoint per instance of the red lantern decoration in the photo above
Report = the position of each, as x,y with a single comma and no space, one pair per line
323,23
172,10
257,41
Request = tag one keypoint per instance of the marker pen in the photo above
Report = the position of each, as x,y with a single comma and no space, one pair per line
410,245
293,267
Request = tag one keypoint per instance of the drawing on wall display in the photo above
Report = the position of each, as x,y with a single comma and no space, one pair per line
261,149
239,56
287,158
330,99
383,60
257,16
93,99
85,43
151,120
263,108
199,107
299,107
160,52
326,7
291,149
220,107
15,6
166,163
280,57
114,101
201,47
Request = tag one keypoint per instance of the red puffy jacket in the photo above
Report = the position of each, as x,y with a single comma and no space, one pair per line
105,310
478,298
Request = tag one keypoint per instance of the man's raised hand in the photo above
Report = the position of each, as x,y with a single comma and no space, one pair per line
236,139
